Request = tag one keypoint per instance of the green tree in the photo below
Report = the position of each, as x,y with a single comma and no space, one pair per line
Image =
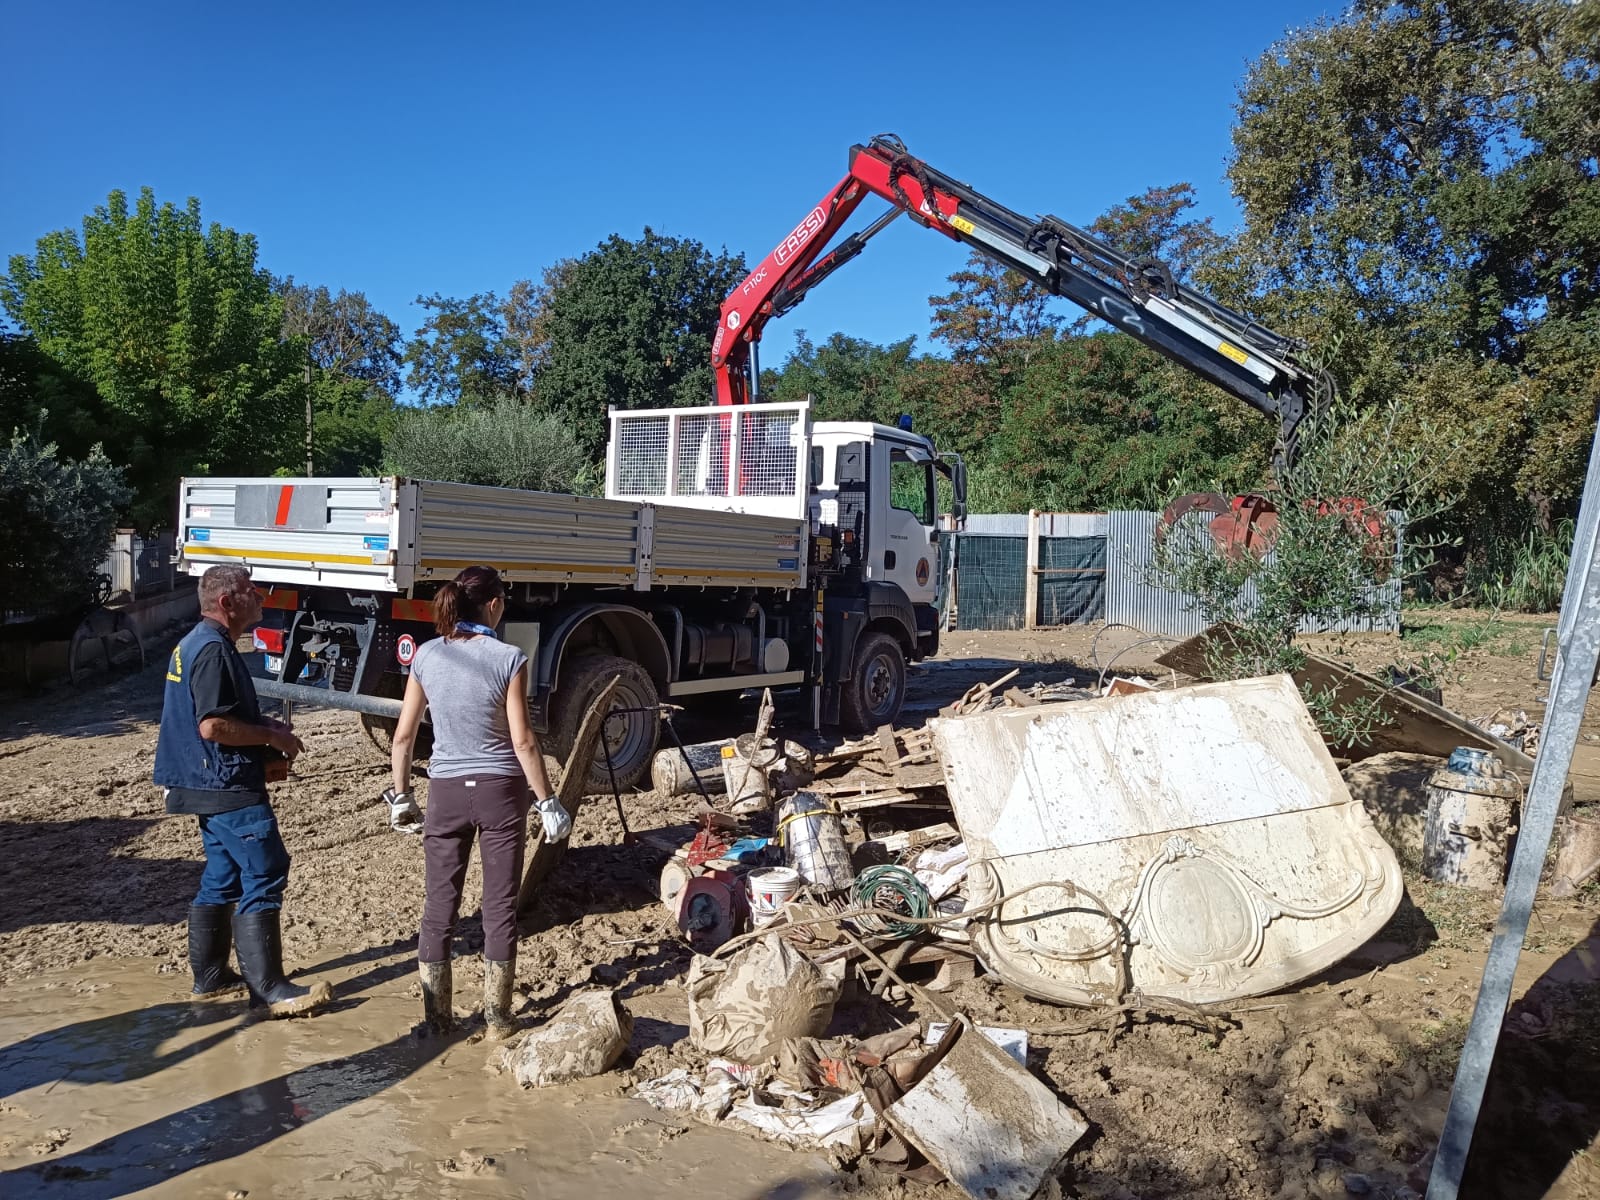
60,515
1156,224
462,354
178,330
1100,421
993,315
1356,465
354,351
1419,182
848,379
38,395
503,443
628,324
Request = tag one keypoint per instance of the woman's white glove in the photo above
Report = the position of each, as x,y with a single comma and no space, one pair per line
404,815
556,820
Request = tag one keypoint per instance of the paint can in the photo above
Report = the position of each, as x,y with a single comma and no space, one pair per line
770,889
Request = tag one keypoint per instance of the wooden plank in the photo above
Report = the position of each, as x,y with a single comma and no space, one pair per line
906,839
543,854
886,802
1414,724
886,744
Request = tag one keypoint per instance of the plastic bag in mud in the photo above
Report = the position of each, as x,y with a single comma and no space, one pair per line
585,1037
744,1006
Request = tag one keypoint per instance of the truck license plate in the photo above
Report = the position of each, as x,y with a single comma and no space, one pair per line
274,665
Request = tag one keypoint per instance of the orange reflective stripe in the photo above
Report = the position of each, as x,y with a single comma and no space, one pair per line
275,597
411,610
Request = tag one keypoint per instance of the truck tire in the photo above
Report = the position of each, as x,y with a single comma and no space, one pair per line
380,730
876,689
632,739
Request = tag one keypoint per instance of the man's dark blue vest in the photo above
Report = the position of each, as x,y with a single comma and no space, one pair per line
183,758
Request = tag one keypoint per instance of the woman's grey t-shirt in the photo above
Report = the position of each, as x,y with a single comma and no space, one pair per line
465,680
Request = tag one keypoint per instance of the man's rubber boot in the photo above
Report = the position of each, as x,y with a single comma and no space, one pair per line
497,980
260,945
210,943
437,1009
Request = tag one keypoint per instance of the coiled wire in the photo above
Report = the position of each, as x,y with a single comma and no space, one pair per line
889,890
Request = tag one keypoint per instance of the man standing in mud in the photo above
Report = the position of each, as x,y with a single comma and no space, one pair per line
211,758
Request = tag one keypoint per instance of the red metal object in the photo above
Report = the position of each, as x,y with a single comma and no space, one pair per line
273,596
1245,523
402,609
708,846
797,262
711,909
1249,524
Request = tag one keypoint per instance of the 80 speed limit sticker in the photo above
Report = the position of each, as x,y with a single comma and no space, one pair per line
405,649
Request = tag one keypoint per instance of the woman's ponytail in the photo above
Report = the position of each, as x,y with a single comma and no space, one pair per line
447,608
465,598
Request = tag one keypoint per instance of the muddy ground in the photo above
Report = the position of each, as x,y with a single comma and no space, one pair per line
112,1081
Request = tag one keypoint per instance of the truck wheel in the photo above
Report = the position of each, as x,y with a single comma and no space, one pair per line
632,739
877,688
380,730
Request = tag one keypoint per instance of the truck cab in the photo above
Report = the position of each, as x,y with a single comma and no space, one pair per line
900,471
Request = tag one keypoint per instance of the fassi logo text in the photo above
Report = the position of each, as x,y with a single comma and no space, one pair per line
803,233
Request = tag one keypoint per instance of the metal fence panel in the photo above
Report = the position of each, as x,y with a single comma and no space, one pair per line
990,576
1130,598
1134,598
140,566
1072,579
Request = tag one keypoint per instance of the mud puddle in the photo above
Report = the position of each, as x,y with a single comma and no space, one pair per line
112,1084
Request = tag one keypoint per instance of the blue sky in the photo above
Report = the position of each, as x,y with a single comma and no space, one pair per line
405,149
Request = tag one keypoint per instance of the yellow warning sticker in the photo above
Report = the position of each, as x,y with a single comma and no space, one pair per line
1233,352
962,224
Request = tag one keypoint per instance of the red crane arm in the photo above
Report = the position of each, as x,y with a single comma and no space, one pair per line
797,264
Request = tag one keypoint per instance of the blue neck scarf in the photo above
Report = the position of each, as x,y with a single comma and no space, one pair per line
474,627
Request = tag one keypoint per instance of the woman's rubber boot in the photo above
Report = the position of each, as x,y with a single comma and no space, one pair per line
497,980
437,1001
260,945
210,943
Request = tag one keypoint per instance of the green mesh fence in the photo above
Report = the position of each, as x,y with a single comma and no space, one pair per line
991,575
989,581
1072,580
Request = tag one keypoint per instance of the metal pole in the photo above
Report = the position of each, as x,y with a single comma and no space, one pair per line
309,470
1578,652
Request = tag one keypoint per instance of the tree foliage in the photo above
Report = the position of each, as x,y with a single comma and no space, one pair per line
463,354
179,332
37,394
1419,180
354,354
847,379
1357,465
628,324
60,515
503,443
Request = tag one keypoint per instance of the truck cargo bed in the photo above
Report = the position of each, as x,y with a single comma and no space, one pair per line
390,534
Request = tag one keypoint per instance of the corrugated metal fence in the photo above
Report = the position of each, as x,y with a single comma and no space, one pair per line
1087,567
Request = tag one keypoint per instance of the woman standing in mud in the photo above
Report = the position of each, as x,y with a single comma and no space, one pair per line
486,760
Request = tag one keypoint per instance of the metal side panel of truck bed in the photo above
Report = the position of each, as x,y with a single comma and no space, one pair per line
310,532
390,534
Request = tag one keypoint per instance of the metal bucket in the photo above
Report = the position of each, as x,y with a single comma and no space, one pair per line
745,767
1473,810
813,842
